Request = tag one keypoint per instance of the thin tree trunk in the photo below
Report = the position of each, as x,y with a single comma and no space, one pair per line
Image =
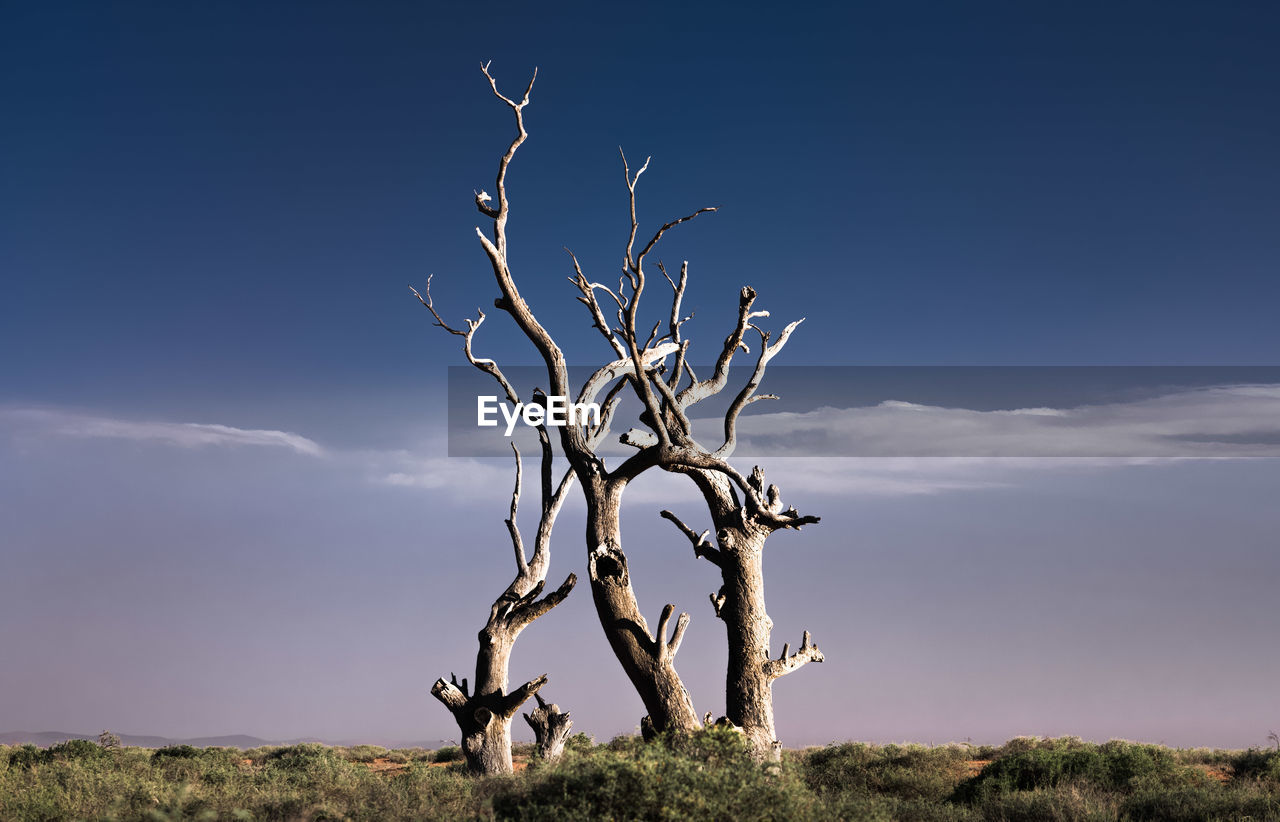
484,716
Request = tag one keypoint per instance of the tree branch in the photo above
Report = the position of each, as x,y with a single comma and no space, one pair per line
784,664
511,300
607,408
666,649
534,610
701,545
606,374
745,396
588,299
453,698
522,566
483,363
716,382
491,368
512,702
665,227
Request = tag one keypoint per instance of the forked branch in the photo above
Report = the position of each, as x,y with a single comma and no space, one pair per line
702,546
666,649
785,664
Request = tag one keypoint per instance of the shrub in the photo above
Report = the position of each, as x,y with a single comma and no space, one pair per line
449,753
73,750
709,775
412,755
175,752
901,771
1112,766
1256,764
1200,804
364,753
578,743
25,756
301,757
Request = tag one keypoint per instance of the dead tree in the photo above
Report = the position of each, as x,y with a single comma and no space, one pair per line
740,603
484,715
743,510
550,728
648,658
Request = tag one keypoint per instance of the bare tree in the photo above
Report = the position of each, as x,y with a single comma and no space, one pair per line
741,529
647,657
484,715
743,510
740,603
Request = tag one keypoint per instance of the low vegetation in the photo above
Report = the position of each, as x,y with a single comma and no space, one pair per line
708,776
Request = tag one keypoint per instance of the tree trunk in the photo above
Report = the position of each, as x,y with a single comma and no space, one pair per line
748,682
484,717
486,739
648,659
741,604
550,728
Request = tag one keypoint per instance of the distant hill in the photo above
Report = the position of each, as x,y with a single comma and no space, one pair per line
47,738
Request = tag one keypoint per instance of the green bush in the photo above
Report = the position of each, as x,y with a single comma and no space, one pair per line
707,776
1200,804
176,752
1112,767
1256,764
25,756
900,771
305,757
578,743
411,755
449,753
364,753
74,749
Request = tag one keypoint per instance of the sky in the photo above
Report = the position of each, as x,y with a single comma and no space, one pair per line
226,500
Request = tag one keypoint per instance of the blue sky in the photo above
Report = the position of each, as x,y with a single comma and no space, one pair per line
208,215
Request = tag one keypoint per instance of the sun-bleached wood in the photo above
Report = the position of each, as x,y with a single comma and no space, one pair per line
743,510
647,660
484,715
550,728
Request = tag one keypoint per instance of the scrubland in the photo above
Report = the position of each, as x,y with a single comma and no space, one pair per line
708,776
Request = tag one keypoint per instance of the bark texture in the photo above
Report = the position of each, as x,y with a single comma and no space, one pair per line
648,659
484,716
550,728
744,512
740,603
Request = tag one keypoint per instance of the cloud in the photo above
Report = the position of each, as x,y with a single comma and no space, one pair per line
181,434
895,448
454,474
1222,421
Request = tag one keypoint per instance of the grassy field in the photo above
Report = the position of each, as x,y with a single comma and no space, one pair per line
706,777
